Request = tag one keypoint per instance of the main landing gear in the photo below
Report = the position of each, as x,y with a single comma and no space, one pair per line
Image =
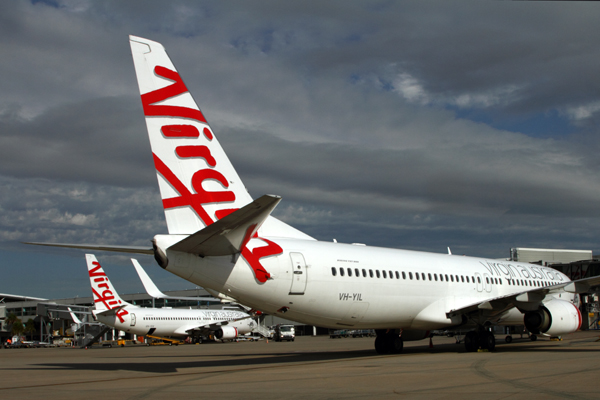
480,339
388,341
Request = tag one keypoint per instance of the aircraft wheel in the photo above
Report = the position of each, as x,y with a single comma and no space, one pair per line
396,344
488,341
380,345
533,338
508,339
471,341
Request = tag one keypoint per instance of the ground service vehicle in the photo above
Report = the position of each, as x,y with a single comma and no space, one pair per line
284,332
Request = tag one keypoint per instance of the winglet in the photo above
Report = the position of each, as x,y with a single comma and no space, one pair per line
150,287
155,292
230,234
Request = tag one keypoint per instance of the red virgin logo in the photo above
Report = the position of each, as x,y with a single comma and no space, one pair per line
199,197
102,292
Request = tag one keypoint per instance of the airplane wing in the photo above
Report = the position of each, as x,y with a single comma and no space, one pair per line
205,328
153,291
99,247
230,234
586,285
526,299
19,297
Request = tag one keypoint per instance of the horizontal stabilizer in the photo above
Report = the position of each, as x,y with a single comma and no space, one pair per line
100,247
230,234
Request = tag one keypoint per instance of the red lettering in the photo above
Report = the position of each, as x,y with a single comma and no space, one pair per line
211,197
121,313
185,131
201,196
93,272
253,257
174,89
196,152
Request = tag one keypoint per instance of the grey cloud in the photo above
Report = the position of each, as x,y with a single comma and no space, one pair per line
374,120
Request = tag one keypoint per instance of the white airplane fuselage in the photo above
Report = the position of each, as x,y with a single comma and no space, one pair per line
378,288
173,322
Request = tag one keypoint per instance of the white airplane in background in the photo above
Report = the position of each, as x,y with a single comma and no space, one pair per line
165,322
223,240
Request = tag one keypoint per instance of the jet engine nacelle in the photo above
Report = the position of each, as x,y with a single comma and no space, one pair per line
226,332
555,317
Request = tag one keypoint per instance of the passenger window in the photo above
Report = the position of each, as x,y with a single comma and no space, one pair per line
377,272
356,272
384,274
364,273
429,275
452,278
417,276
478,280
435,277
487,280
409,275
371,273
404,275
423,275
333,271
397,275
462,279
391,275
349,271
447,280
341,271
467,278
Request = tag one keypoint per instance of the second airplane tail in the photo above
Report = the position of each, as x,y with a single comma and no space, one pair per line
106,297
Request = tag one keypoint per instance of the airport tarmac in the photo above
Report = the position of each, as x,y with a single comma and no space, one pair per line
309,368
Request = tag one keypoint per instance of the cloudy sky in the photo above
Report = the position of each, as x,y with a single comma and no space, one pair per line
416,125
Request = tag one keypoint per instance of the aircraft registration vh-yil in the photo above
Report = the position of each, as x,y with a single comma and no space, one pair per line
223,240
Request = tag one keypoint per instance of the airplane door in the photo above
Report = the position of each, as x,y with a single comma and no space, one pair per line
487,282
132,319
479,282
298,273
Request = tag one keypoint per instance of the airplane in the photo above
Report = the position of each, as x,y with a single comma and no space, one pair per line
112,310
223,240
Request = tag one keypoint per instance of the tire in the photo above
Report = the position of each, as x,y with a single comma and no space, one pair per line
508,339
396,344
488,341
471,341
533,338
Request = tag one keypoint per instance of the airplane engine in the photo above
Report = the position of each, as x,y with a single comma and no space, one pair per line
226,332
555,317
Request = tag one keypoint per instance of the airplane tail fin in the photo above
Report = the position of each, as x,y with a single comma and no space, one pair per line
105,296
198,183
